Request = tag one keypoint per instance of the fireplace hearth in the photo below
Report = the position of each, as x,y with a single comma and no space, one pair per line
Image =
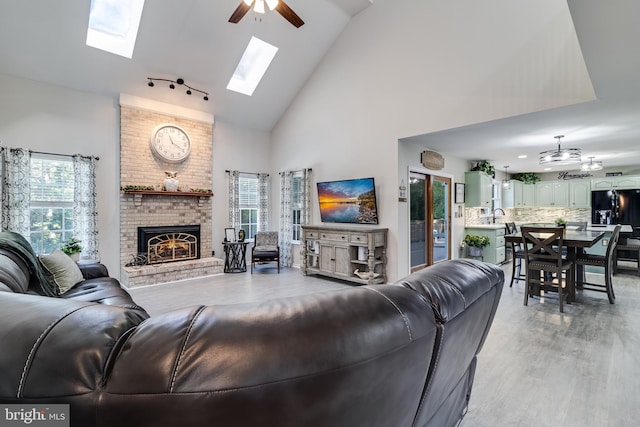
169,243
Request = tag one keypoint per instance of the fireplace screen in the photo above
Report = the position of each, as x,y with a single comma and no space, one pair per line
167,244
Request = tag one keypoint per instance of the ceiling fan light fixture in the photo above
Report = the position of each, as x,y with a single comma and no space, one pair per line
272,4
248,2
591,165
560,156
259,6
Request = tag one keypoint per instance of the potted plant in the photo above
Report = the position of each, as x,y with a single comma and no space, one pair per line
72,248
527,177
486,167
476,243
561,222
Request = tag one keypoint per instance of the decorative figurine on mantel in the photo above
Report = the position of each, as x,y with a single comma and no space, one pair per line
171,181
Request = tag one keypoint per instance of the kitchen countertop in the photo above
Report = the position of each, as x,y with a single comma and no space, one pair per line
495,226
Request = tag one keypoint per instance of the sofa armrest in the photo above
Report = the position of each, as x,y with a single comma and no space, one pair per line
93,270
58,347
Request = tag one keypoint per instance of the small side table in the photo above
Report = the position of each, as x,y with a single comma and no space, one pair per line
235,257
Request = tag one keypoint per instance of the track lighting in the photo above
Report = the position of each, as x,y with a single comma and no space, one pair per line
179,81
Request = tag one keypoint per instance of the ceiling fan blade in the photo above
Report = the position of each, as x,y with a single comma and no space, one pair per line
240,11
289,14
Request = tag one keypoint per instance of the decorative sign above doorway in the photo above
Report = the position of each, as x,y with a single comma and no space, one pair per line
432,160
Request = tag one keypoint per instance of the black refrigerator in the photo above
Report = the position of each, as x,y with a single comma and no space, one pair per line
616,207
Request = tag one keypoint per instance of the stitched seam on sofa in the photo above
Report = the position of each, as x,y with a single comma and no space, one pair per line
184,346
432,369
284,380
404,317
36,344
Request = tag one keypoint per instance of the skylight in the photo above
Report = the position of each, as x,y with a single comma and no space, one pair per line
113,25
252,66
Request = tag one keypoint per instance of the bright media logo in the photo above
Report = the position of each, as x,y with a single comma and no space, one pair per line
34,415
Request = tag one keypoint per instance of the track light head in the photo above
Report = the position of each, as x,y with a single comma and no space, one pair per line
172,86
180,81
151,83
206,98
188,91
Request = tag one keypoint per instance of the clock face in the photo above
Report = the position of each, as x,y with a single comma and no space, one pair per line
170,143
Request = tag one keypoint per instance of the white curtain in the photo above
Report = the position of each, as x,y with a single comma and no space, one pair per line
85,212
16,179
234,198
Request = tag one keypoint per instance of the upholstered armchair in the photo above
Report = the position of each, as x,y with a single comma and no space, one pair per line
265,248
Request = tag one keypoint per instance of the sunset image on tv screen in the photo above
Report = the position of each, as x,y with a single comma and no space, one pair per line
348,201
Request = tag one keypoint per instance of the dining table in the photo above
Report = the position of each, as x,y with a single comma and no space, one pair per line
573,240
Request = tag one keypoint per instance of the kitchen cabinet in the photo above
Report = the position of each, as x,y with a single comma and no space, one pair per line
552,194
512,196
494,253
616,182
528,195
478,190
354,254
580,194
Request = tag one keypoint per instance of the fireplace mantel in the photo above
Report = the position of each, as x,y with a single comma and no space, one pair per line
168,193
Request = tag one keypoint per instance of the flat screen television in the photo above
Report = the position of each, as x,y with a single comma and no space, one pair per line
348,201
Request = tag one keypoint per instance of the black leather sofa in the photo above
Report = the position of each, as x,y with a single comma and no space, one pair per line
392,355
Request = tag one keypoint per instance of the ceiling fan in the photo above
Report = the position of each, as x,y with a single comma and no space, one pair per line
258,6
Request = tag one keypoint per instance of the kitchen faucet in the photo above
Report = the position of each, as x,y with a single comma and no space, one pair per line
494,213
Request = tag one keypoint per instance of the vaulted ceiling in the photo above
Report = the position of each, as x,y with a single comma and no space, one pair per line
44,40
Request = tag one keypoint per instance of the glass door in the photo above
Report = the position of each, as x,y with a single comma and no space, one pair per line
430,207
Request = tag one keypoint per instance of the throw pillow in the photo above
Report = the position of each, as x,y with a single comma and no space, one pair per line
63,269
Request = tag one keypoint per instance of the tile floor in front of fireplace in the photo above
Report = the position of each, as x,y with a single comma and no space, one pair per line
538,367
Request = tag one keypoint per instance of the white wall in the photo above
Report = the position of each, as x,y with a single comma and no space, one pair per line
240,149
406,67
53,119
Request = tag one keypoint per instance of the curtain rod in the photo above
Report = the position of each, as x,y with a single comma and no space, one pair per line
296,170
61,155
247,173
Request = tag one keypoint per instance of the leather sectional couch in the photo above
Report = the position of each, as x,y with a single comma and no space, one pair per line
394,355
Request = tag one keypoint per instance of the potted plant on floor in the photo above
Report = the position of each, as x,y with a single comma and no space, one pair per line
72,248
476,243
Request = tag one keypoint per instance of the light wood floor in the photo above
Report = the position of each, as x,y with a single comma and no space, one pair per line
538,367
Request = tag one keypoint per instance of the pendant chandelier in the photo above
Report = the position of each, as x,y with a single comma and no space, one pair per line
561,156
591,165
506,182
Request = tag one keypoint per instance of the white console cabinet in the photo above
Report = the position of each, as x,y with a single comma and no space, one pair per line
354,254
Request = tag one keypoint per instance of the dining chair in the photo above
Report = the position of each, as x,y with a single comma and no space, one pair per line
607,261
547,270
517,255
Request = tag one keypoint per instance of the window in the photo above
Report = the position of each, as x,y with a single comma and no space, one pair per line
51,202
248,188
296,207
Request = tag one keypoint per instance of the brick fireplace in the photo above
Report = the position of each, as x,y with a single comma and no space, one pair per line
187,250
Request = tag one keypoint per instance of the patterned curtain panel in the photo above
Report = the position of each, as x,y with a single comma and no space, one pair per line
234,198
286,219
263,202
85,212
291,198
305,212
16,177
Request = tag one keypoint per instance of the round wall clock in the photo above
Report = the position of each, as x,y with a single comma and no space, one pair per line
170,143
